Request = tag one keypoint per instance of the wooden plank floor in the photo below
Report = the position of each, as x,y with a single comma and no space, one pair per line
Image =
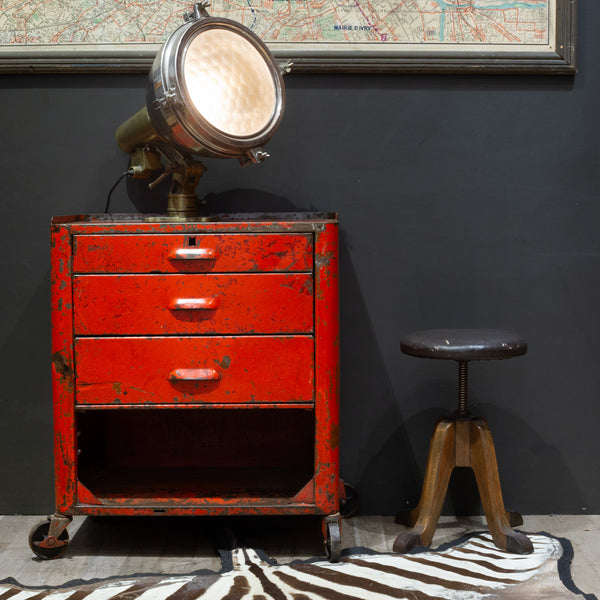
120,546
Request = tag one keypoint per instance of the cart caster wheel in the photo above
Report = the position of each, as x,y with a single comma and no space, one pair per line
349,503
333,541
45,546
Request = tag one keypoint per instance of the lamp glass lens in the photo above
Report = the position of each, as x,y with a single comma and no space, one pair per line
229,82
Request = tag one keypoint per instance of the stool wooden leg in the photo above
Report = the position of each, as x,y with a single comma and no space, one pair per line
440,463
485,466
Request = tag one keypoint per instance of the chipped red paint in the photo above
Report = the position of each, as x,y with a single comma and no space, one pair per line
327,373
269,303
63,377
215,318
250,369
216,253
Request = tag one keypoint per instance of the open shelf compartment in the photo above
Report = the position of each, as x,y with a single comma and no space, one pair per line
258,453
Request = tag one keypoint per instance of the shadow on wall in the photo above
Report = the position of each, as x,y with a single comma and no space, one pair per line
520,452
26,407
525,451
387,418
376,454
238,200
249,200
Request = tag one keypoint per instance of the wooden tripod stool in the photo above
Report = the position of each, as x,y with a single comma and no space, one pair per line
462,440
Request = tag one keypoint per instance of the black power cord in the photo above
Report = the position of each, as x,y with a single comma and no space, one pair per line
112,189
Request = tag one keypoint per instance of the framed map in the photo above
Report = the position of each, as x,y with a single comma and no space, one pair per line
316,35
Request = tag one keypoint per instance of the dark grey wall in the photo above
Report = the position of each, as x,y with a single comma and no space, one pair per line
464,201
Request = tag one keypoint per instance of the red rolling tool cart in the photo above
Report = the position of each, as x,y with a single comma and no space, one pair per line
195,369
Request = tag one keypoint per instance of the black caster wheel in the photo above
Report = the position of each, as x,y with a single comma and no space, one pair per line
46,546
333,541
349,503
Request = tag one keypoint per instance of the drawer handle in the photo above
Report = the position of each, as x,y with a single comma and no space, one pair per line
195,303
194,375
193,254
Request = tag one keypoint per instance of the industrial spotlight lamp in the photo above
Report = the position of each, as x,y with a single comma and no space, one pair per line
214,90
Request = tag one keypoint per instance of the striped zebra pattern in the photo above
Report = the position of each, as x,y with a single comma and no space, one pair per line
472,570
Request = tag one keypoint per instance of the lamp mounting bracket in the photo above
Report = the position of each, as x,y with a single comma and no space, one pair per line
199,12
254,155
169,101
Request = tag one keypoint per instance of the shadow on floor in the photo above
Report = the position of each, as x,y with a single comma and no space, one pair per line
196,536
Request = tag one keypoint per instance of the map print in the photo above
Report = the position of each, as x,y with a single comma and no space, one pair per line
66,22
394,21
380,22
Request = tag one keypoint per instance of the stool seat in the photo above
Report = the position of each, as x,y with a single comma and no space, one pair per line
464,344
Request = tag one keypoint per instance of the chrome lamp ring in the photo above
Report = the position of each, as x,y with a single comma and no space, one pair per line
173,112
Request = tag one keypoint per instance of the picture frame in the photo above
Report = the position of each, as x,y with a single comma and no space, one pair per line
549,39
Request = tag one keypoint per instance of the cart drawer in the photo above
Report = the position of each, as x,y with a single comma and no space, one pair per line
192,304
166,370
195,253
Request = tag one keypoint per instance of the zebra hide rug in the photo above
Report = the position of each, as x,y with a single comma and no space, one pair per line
469,570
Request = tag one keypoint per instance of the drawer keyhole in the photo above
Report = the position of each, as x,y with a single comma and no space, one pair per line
191,242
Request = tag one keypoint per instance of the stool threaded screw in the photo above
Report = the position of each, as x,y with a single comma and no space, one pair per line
463,383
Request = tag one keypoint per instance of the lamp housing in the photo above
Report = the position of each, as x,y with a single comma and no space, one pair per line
214,90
